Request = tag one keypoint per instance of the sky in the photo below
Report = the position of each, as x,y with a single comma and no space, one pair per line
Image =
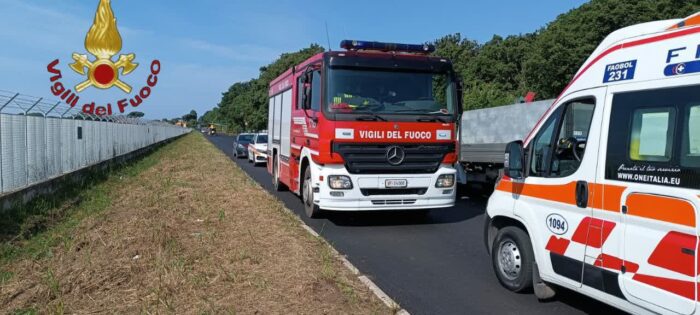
205,46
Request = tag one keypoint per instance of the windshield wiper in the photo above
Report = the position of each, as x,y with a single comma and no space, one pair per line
431,119
420,111
370,117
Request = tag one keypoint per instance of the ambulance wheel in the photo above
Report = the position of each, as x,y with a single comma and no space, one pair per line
276,176
512,259
307,195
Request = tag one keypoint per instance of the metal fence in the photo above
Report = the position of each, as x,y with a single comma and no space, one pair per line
41,140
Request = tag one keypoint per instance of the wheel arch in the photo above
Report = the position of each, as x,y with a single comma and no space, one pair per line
305,161
302,168
493,225
272,161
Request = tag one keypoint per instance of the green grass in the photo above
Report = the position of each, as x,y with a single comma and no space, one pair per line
25,312
5,276
329,272
32,230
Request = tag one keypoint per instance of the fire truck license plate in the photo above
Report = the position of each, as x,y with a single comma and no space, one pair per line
395,183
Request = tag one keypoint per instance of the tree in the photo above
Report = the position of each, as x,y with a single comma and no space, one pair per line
244,105
135,115
561,48
491,72
191,116
494,73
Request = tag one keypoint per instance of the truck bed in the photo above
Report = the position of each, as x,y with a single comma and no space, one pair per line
486,132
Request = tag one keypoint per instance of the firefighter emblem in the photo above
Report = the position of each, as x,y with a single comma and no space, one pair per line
103,41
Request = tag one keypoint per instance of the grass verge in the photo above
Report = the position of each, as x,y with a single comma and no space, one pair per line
33,229
181,231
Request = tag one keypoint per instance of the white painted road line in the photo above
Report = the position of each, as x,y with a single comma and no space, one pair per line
380,294
307,228
349,265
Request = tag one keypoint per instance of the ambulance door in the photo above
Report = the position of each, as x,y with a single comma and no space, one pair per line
654,152
555,193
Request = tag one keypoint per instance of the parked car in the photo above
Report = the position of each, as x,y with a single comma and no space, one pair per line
240,145
257,149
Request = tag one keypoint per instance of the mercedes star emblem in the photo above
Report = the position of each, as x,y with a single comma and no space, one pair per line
395,155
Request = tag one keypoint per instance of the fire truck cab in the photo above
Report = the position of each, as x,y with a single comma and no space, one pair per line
603,196
369,128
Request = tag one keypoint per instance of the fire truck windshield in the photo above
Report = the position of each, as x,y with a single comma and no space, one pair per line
361,91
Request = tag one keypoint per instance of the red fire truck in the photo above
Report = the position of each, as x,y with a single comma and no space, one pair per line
373,127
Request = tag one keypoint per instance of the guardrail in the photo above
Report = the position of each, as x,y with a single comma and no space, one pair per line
41,140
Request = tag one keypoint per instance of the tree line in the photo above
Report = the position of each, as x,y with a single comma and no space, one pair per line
494,73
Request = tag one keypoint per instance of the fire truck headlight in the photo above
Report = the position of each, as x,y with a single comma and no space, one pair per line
445,181
339,182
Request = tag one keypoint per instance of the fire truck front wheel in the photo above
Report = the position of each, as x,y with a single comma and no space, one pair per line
512,259
307,195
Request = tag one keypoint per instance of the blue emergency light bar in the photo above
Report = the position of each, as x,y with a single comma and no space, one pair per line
407,48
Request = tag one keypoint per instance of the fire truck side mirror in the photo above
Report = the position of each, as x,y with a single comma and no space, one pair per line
306,90
514,164
306,96
460,96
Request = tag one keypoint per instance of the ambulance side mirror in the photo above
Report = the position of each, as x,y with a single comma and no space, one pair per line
514,164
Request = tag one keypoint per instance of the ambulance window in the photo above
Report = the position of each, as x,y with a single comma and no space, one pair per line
542,146
572,138
691,151
652,134
654,137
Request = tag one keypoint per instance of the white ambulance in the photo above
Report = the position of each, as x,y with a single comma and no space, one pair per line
603,196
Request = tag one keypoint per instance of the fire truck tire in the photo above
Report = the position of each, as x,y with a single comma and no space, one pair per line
512,258
307,196
276,176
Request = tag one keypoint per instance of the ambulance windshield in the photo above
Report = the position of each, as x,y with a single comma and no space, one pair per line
361,91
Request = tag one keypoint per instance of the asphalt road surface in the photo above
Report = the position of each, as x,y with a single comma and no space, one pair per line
429,265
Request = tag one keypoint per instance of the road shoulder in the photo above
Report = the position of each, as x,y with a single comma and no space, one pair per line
191,233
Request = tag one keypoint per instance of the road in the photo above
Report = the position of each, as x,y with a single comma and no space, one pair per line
429,265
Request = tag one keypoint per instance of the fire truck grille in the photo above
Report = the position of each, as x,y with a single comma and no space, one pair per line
393,202
363,158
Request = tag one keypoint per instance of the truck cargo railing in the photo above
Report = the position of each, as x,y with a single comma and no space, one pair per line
484,133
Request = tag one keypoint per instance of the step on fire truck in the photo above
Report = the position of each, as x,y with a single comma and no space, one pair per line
603,196
369,128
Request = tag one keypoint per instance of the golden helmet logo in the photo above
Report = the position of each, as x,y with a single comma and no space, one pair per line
103,42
